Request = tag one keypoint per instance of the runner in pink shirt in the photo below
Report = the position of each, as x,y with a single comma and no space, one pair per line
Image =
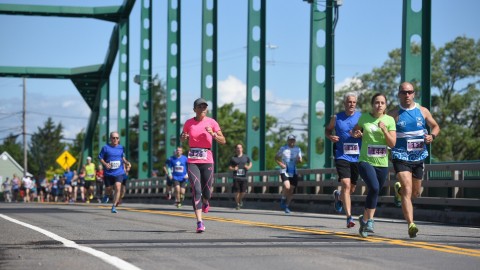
201,131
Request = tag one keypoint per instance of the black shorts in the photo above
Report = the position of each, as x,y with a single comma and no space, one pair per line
111,180
89,184
415,167
293,179
182,184
347,169
240,185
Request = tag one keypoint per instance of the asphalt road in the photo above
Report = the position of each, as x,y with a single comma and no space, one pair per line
143,236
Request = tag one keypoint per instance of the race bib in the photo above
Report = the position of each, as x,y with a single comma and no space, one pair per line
377,151
415,145
178,169
197,153
241,172
351,149
114,165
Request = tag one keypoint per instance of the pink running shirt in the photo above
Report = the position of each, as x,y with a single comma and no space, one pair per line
199,137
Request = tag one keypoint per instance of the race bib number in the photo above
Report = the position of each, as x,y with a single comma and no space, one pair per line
178,169
377,151
197,153
241,172
351,149
114,165
415,145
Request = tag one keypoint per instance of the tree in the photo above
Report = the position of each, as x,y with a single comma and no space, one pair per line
14,149
233,122
45,147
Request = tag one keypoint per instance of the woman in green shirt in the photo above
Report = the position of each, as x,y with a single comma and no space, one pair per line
378,132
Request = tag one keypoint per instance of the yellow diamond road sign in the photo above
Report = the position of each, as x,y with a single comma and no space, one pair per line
66,160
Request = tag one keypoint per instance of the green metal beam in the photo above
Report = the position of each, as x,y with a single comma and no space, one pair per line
416,67
209,60
109,13
145,102
321,88
173,78
256,113
123,84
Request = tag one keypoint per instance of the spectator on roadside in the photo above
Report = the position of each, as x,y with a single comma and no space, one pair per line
7,190
16,185
99,182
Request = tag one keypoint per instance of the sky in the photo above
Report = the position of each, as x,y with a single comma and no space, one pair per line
366,31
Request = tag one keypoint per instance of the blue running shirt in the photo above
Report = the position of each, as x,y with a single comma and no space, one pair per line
347,148
289,158
114,156
178,167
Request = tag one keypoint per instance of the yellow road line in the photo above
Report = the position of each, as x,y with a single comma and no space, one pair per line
423,245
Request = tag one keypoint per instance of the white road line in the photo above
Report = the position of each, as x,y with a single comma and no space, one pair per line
115,261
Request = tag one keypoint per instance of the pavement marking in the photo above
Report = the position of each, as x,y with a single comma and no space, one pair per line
373,239
112,260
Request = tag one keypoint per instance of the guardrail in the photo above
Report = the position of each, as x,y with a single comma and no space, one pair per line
448,185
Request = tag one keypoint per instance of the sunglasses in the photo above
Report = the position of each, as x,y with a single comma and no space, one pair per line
114,138
407,92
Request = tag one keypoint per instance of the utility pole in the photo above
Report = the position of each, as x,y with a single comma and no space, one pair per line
24,127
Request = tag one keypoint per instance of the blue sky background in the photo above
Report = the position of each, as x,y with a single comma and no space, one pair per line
367,30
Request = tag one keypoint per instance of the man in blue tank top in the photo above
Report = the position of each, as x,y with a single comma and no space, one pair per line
410,150
347,151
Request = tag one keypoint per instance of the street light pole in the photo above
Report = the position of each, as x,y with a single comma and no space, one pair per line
24,127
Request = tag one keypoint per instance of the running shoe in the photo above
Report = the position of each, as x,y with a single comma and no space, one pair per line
283,204
397,199
370,226
205,208
338,203
287,210
179,205
105,199
412,230
200,227
350,222
363,233
114,210
238,206
90,197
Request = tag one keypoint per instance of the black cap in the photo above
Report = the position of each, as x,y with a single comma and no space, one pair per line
199,101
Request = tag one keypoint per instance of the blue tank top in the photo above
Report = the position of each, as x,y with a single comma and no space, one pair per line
347,148
410,145
178,166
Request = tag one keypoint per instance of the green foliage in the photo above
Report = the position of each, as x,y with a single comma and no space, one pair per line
12,147
45,147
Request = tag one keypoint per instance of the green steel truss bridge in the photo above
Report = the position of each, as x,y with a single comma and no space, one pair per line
92,82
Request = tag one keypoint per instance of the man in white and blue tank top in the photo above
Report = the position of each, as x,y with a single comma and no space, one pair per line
347,151
410,150
287,158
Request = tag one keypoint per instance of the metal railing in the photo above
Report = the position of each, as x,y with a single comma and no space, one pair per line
445,185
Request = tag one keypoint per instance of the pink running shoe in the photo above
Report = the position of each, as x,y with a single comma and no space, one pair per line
200,227
205,208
